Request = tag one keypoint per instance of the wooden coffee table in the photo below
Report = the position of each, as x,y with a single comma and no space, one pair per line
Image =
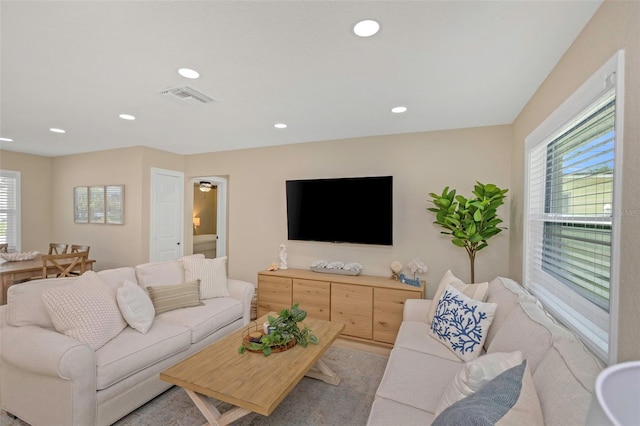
251,382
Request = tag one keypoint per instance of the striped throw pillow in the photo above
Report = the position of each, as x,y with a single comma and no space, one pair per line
169,297
212,274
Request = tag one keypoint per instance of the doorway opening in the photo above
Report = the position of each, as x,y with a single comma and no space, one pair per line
209,216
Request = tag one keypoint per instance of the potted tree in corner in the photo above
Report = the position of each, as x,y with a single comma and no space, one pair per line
469,221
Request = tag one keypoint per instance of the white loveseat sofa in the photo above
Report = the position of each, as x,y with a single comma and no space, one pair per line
421,368
48,378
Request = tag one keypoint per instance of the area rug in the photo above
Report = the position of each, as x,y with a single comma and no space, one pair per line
311,402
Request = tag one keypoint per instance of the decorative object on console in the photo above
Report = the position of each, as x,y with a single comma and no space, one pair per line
336,267
462,323
285,332
282,254
417,266
405,280
396,268
19,256
273,267
470,222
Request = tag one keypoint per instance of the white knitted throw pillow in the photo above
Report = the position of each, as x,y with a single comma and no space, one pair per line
85,310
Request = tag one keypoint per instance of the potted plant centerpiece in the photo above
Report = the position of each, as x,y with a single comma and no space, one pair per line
284,331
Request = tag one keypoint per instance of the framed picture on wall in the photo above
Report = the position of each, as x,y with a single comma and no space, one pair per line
115,204
96,204
81,204
99,204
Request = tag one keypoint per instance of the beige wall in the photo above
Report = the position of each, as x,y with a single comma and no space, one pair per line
614,26
36,197
420,163
111,245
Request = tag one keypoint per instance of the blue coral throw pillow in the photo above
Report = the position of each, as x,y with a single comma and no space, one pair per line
462,323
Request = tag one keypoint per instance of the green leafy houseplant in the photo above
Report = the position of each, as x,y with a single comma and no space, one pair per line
469,221
286,328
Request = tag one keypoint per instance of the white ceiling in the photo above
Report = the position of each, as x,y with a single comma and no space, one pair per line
76,65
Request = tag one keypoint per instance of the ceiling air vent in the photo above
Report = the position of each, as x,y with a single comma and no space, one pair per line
187,94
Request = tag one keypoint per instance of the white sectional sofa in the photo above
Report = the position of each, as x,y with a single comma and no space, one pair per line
421,369
48,378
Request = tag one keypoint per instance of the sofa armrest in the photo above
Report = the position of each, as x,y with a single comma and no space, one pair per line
47,377
48,353
243,291
416,309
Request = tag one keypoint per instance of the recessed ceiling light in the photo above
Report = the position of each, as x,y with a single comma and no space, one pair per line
55,130
127,117
366,28
398,109
188,73
280,126
6,140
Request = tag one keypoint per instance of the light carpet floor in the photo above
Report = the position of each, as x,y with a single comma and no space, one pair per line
311,402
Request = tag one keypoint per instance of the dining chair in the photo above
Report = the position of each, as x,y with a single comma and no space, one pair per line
4,247
75,248
55,248
64,264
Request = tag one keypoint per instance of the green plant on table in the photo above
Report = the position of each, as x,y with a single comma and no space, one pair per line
469,221
286,327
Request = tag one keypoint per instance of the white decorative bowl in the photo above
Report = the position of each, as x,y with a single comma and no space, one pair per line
16,257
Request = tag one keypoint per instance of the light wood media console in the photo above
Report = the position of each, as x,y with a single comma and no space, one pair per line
370,307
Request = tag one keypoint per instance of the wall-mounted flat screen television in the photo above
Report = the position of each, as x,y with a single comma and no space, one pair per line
355,210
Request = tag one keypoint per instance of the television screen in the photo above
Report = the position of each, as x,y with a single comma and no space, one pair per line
344,210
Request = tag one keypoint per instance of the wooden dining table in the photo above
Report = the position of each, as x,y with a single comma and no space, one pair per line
12,272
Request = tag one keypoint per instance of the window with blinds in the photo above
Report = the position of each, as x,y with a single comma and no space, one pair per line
569,232
10,209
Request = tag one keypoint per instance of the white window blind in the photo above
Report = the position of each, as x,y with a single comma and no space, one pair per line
569,240
10,209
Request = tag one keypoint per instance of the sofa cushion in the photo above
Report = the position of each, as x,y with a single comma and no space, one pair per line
416,379
416,336
116,277
85,310
474,291
475,374
24,302
461,323
169,297
565,380
385,412
509,399
212,274
131,351
208,318
528,329
136,306
170,272
505,293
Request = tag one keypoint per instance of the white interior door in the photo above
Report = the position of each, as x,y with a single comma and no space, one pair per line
167,198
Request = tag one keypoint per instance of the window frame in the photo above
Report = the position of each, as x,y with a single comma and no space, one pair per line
611,74
16,175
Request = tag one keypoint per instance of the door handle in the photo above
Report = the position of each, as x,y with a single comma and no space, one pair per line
178,243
